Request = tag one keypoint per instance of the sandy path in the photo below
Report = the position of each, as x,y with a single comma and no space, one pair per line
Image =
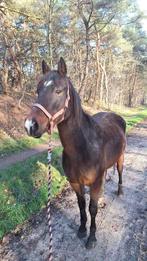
121,226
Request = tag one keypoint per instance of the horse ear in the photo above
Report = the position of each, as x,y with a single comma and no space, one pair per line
38,77
45,67
62,69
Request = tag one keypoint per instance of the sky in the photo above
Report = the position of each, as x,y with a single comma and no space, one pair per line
143,7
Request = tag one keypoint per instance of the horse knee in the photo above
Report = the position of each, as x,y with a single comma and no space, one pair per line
81,201
82,207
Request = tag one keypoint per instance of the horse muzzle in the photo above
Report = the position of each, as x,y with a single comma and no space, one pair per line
32,128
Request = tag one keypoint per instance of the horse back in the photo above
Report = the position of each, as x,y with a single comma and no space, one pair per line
110,118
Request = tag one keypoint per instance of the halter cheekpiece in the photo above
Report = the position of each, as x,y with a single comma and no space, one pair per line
52,118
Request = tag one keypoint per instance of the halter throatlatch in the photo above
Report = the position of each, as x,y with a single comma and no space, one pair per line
52,118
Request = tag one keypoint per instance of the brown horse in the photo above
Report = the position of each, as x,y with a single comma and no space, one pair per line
91,144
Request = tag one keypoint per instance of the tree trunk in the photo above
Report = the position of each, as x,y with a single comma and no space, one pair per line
105,80
82,83
97,66
4,75
19,75
49,31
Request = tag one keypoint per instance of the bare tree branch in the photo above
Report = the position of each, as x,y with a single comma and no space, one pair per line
22,13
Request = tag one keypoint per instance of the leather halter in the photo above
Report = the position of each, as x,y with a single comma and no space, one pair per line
52,118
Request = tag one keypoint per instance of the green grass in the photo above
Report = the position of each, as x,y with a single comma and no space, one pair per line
9,145
23,189
133,115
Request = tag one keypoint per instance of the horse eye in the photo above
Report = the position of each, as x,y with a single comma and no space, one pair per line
58,91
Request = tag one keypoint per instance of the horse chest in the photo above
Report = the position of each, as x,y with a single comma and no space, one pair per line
79,170
87,177
82,175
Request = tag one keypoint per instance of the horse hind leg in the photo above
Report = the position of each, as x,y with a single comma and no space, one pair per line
120,171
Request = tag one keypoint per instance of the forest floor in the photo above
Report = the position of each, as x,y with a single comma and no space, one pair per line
121,225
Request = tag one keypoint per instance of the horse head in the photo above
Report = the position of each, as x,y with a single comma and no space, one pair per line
52,100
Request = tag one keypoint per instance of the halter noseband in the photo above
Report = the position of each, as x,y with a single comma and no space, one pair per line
52,118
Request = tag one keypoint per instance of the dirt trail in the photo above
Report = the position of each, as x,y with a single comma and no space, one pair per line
121,226
23,155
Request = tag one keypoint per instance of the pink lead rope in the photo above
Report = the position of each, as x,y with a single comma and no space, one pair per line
49,157
52,124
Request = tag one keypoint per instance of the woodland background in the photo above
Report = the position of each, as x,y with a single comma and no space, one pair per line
105,48
103,43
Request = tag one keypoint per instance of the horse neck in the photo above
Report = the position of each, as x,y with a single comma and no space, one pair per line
71,129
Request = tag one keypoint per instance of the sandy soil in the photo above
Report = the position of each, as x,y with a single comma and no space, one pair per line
121,225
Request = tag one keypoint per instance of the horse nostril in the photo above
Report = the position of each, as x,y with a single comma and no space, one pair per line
31,126
34,127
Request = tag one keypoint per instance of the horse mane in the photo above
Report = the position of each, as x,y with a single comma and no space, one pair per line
76,104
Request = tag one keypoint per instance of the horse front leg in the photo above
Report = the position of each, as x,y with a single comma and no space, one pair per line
96,192
79,189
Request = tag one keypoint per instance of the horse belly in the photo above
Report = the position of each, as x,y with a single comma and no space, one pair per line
113,153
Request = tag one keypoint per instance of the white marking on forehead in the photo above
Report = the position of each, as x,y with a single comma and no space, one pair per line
48,83
28,125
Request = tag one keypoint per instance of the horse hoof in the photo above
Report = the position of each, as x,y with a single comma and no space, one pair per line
82,233
101,203
120,190
91,243
108,178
